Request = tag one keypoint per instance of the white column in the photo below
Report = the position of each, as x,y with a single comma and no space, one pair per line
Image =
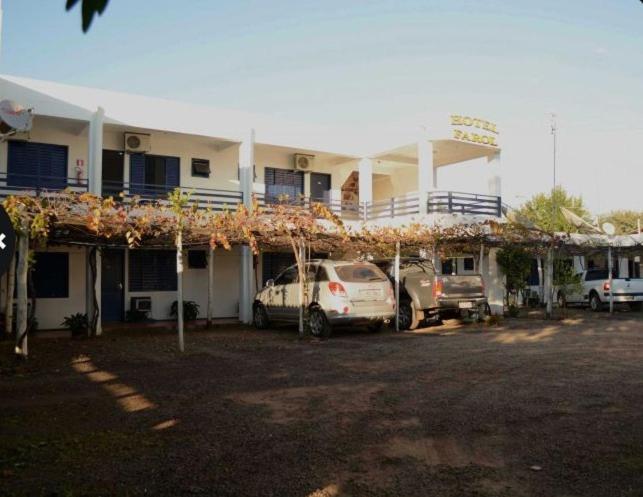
495,286
246,173
365,180
495,184
427,175
95,165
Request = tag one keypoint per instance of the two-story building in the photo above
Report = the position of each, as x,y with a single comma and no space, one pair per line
107,143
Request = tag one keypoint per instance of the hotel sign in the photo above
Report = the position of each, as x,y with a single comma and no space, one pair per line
474,130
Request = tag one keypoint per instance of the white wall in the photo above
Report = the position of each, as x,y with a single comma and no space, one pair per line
72,134
227,265
51,312
223,158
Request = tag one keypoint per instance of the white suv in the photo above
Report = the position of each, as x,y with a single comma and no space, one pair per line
339,292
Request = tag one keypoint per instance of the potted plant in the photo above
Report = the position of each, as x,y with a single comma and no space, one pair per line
190,310
77,323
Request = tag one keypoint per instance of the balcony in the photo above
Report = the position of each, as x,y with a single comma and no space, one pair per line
28,184
217,200
464,203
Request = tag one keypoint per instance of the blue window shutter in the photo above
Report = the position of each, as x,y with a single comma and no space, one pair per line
136,173
37,165
172,173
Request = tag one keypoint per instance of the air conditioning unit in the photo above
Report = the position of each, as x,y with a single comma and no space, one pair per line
137,143
304,162
142,304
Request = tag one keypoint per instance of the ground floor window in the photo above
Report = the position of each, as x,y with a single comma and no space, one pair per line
273,263
51,275
152,270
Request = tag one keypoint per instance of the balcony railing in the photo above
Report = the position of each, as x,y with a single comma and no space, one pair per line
206,197
464,203
30,184
348,211
393,207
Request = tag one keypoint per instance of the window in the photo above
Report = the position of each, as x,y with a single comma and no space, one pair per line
51,275
37,165
283,184
153,174
287,277
468,264
534,276
358,273
152,270
201,168
447,266
197,259
274,263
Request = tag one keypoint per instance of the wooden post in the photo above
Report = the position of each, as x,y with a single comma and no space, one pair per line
21,316
397,286
179,287
210,287
8,309
302,281
549,283
610,268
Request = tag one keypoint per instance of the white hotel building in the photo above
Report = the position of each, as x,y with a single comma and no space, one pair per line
78,141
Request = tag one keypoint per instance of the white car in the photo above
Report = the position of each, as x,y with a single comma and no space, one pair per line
340,292
596,291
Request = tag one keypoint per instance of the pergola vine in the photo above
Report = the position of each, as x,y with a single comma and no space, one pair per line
68,218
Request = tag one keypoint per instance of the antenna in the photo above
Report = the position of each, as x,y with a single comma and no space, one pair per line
553,130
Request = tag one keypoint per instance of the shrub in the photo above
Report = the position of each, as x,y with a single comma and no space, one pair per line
190,310
135,316
77,324
513,311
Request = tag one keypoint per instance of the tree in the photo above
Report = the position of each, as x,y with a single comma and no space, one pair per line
515,263
626,222
89,9
543,210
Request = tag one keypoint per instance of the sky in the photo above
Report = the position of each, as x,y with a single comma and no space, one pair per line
380,65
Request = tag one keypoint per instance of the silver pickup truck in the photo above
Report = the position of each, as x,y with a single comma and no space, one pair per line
427,297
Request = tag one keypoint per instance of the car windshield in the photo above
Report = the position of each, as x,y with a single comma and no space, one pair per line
360,273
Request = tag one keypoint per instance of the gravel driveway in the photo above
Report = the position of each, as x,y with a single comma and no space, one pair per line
522,409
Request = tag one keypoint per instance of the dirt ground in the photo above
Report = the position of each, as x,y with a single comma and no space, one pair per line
525,408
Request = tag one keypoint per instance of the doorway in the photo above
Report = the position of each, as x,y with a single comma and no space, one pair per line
320,187
112,285
112,173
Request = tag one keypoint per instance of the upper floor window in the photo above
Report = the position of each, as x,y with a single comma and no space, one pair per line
37,165
201,168
153,174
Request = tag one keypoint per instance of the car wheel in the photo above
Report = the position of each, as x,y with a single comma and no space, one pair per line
562,300
319,325
408,316
375,326
260,317
595,302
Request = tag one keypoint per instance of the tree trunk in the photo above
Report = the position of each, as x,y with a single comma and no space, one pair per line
179,287
22,350
8,310
549,283
93,321
210,287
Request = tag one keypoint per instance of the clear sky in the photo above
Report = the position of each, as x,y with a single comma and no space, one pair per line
378,65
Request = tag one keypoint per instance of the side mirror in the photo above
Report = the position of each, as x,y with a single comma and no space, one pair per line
270,283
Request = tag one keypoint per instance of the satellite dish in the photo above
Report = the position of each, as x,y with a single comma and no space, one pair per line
14,118
577,221
608,229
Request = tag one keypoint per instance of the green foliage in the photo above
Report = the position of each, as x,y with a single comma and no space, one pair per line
514,311
190,310
88,10
626,222
544,211
566,277
77,324
515,263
